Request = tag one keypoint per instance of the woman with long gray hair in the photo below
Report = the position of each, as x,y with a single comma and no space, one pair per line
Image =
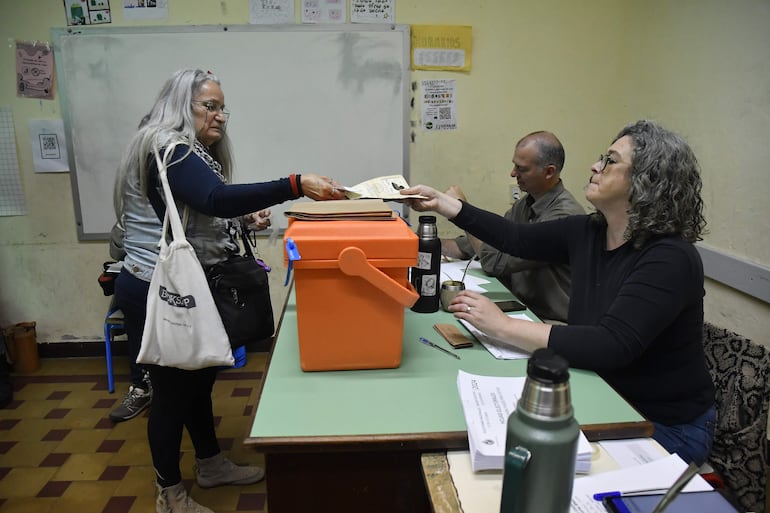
189,113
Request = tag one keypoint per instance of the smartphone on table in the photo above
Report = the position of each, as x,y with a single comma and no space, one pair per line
689,502
510,306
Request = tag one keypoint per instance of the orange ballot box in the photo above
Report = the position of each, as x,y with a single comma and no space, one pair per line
352,286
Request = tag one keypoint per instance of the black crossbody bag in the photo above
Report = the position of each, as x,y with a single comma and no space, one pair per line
242,294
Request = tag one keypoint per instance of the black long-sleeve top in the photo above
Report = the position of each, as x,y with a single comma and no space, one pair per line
635,316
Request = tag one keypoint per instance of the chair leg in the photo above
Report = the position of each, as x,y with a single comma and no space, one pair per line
108,356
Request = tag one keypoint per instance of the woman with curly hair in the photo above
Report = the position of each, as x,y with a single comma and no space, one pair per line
636,308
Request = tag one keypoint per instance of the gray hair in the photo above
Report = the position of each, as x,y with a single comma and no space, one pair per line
549,149
665,192
169,121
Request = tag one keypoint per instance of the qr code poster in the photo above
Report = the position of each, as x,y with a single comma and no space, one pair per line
49,147
439,107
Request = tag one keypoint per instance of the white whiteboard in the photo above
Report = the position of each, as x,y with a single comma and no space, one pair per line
332,100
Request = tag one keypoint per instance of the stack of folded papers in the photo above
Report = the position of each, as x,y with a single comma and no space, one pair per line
341,210
487,403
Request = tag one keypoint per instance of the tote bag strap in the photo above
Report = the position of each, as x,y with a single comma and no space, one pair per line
172,215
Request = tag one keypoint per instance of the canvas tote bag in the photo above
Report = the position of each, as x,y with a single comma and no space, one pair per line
183,328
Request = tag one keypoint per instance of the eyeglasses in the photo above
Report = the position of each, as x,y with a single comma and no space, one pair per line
213,108
604,160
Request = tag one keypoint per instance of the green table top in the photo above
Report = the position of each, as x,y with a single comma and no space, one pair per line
417,399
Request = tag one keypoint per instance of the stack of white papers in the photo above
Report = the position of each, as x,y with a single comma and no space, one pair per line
487,403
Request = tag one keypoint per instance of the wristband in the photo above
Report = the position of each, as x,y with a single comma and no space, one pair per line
300,193
293,181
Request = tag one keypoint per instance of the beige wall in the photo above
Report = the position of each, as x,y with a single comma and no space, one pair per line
697,66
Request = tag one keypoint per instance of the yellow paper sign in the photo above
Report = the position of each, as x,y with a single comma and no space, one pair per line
441,47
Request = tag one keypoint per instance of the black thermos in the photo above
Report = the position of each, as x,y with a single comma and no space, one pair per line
425,277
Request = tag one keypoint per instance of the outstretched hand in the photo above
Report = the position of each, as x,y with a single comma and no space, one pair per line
321,187
435,201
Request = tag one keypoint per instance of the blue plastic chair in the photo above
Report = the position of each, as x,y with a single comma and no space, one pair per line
113,325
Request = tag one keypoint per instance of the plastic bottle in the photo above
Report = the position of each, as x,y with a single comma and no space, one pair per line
541,441
425,277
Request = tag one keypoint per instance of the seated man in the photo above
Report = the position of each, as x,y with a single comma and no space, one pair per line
544,287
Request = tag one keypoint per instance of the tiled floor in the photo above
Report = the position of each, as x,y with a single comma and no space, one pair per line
60,453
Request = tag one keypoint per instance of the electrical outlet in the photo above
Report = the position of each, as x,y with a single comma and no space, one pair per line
515,193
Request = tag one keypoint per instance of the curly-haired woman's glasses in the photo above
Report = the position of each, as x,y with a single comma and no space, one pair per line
604,160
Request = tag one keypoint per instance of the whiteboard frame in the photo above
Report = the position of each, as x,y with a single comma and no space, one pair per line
59,33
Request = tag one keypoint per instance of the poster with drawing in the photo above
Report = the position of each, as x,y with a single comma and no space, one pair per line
34,70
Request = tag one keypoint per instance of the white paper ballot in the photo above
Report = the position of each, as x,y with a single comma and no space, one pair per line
487,403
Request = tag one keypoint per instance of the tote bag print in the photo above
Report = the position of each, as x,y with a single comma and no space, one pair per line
183,328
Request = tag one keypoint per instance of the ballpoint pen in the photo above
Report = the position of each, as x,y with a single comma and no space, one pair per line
431,344
627,493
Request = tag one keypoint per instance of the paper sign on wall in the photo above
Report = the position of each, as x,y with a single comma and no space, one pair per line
91,12
34,70
439,108
49,149
437,47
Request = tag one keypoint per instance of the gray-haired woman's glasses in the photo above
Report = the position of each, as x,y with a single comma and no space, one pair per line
213,108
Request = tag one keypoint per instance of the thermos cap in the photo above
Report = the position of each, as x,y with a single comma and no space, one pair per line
427,219
548,367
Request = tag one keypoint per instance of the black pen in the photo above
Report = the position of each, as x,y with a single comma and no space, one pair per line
431,344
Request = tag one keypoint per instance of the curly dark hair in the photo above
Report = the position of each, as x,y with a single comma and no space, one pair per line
665,192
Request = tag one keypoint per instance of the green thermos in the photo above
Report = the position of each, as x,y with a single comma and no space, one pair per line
541,441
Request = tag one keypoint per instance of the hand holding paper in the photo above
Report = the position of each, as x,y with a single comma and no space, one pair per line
383,187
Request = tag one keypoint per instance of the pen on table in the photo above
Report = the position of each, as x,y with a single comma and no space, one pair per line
431,344
627,493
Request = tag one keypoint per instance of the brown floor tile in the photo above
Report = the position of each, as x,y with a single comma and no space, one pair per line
111,446
119,504
114,473
58,395
56,435
8,424
54,489
55,459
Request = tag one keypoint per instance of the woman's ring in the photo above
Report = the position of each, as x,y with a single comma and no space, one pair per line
467,309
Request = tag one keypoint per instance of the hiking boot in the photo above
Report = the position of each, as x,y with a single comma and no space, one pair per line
218,471
174,499
136,400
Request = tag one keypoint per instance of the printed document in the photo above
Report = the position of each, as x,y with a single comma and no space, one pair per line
382,187
487,403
